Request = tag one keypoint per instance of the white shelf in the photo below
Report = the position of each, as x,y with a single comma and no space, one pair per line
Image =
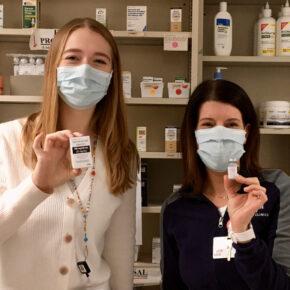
116,33
247,60
20,99
151,209
160,155
270,131
156,101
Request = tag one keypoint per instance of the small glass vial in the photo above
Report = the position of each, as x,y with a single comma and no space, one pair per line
232,168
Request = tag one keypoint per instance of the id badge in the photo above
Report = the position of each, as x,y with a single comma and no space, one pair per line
223,248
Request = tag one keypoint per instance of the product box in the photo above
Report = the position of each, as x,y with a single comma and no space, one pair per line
156,252
151,89
141,138
136,18
1,15
146,274
101,15
178,90
172,139
127,84
175,19
30,13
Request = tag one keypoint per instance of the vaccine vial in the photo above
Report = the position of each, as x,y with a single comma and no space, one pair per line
232,168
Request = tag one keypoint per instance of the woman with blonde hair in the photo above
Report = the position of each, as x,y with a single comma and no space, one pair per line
62,227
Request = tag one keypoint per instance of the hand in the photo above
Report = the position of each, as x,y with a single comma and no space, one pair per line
53,163
242,207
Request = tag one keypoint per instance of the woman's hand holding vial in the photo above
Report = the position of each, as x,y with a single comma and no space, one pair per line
242,207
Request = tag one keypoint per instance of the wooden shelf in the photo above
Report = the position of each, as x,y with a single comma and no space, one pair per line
156,101
151,209
159,155
20,99
247,60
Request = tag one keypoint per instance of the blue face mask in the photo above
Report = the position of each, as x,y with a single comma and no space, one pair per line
82,87
218,144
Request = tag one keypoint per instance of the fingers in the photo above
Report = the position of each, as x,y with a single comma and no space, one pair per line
246,180
37,144
229,187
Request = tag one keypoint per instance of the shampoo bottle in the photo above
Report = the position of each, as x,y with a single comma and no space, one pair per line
223,31
283,32
266,33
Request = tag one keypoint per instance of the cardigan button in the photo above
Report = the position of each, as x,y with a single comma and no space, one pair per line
70,201
63,270
68,238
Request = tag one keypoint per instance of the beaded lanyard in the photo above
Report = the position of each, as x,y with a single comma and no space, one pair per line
83,266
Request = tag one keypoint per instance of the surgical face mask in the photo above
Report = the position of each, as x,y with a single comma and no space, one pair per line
82,87
218,144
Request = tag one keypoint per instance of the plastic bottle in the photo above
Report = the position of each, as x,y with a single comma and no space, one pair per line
283,32
266,33
218,74
223,27
255,40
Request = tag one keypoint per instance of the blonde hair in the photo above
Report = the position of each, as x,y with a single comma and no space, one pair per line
109,120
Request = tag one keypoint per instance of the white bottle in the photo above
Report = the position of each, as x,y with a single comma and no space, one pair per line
266,33
283,32
223,27
255,39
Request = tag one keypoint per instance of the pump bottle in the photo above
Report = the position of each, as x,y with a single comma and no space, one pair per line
266,33
283,32
223,31
218,74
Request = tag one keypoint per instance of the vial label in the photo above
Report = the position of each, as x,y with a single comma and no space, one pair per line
232,172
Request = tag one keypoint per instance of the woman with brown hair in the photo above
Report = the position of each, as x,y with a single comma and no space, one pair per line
65,228
218,231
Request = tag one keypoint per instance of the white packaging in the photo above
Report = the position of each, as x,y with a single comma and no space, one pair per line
146,274
136,18
175,19
127,83
283,32
266,33
101,15
255,39
141,136
232,169
156,252
1,15
276,114
223,31
147,79
80,152
151,89
178,90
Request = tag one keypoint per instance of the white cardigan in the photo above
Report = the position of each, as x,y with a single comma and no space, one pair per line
36,249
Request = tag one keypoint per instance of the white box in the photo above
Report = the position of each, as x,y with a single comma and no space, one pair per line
136,18
178,90
1,15
156,251
151,90
127,84
141,134
101,15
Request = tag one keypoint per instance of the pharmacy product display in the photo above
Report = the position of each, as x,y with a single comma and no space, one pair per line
223,26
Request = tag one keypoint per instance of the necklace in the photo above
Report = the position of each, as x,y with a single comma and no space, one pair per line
82,265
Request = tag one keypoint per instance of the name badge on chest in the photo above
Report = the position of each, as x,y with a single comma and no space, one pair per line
223,248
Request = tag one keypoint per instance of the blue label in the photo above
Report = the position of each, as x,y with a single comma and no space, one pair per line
222,21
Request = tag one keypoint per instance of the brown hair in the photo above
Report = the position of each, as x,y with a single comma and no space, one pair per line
109,120
225,92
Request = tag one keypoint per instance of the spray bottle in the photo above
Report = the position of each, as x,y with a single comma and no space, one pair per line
218,74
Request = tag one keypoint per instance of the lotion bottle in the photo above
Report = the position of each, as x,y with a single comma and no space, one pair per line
266,33
223,27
